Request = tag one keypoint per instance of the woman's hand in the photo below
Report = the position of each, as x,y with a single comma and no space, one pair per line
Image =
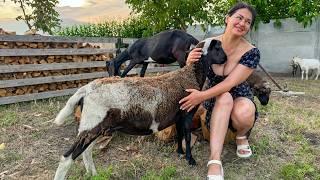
192,100
194,56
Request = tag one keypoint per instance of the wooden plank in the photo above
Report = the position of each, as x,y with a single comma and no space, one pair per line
62,39
42,95
45,52
50,79
56,39
73,77
49,94
53,66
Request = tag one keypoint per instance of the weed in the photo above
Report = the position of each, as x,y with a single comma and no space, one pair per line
165,174
299,170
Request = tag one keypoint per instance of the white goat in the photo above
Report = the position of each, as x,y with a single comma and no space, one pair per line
306,65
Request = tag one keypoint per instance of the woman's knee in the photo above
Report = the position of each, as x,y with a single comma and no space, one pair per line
243,114
225,100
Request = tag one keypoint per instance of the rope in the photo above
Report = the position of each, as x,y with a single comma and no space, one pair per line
260,66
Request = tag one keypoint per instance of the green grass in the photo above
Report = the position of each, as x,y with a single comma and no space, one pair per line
8,116
166,173
299,170
7,156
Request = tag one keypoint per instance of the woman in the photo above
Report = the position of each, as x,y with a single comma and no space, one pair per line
229,98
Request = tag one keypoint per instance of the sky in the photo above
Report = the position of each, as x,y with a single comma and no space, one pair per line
70,11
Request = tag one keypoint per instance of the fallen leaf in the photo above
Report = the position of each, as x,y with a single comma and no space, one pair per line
2,146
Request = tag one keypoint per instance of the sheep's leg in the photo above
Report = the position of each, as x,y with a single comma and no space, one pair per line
307,72
187,136
64,165
302,74
83,141
88,161
318,72
143,69
179,127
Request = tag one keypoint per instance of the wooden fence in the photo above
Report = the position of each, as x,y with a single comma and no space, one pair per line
25,52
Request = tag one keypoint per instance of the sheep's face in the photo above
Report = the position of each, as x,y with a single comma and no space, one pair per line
212,52
262,92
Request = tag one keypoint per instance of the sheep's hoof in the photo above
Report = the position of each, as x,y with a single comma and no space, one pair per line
192,162
180,155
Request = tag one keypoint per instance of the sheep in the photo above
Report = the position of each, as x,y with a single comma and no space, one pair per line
259,87
306,65
165,48
137,106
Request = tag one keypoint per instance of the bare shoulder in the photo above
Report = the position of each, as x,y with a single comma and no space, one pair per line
247,45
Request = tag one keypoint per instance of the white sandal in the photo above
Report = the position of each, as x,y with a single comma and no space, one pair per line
244,147
215,177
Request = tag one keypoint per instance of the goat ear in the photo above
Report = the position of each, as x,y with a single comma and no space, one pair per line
200,44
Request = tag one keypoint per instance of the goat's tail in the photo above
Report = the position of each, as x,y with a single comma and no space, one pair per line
68,109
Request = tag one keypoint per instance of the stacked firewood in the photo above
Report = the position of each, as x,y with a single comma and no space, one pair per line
21,60
44,45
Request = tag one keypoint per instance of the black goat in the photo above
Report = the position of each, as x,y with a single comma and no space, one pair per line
164,48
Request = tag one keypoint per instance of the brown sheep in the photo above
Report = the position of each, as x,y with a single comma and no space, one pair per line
137,106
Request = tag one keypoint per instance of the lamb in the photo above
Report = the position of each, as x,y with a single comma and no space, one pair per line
137,106
259,87
306,65
165,48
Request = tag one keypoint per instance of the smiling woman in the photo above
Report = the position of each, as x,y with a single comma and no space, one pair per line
71,3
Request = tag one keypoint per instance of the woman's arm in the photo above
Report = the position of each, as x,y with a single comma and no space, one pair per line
237,76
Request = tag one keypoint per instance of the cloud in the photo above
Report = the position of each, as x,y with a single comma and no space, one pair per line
96,10
91,11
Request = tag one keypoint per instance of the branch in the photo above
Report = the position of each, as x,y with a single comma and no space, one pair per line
24,14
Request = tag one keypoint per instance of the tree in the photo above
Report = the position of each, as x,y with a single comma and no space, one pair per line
304,11
178,14
42,14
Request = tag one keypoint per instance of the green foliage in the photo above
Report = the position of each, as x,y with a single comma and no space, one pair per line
177,14
131,27
39,14
304,11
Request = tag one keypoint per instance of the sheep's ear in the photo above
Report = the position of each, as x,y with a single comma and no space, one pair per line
200,44
217,44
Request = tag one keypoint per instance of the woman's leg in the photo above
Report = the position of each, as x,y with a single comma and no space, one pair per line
243,116
218,128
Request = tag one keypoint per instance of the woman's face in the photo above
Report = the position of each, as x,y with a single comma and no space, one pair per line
240,22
